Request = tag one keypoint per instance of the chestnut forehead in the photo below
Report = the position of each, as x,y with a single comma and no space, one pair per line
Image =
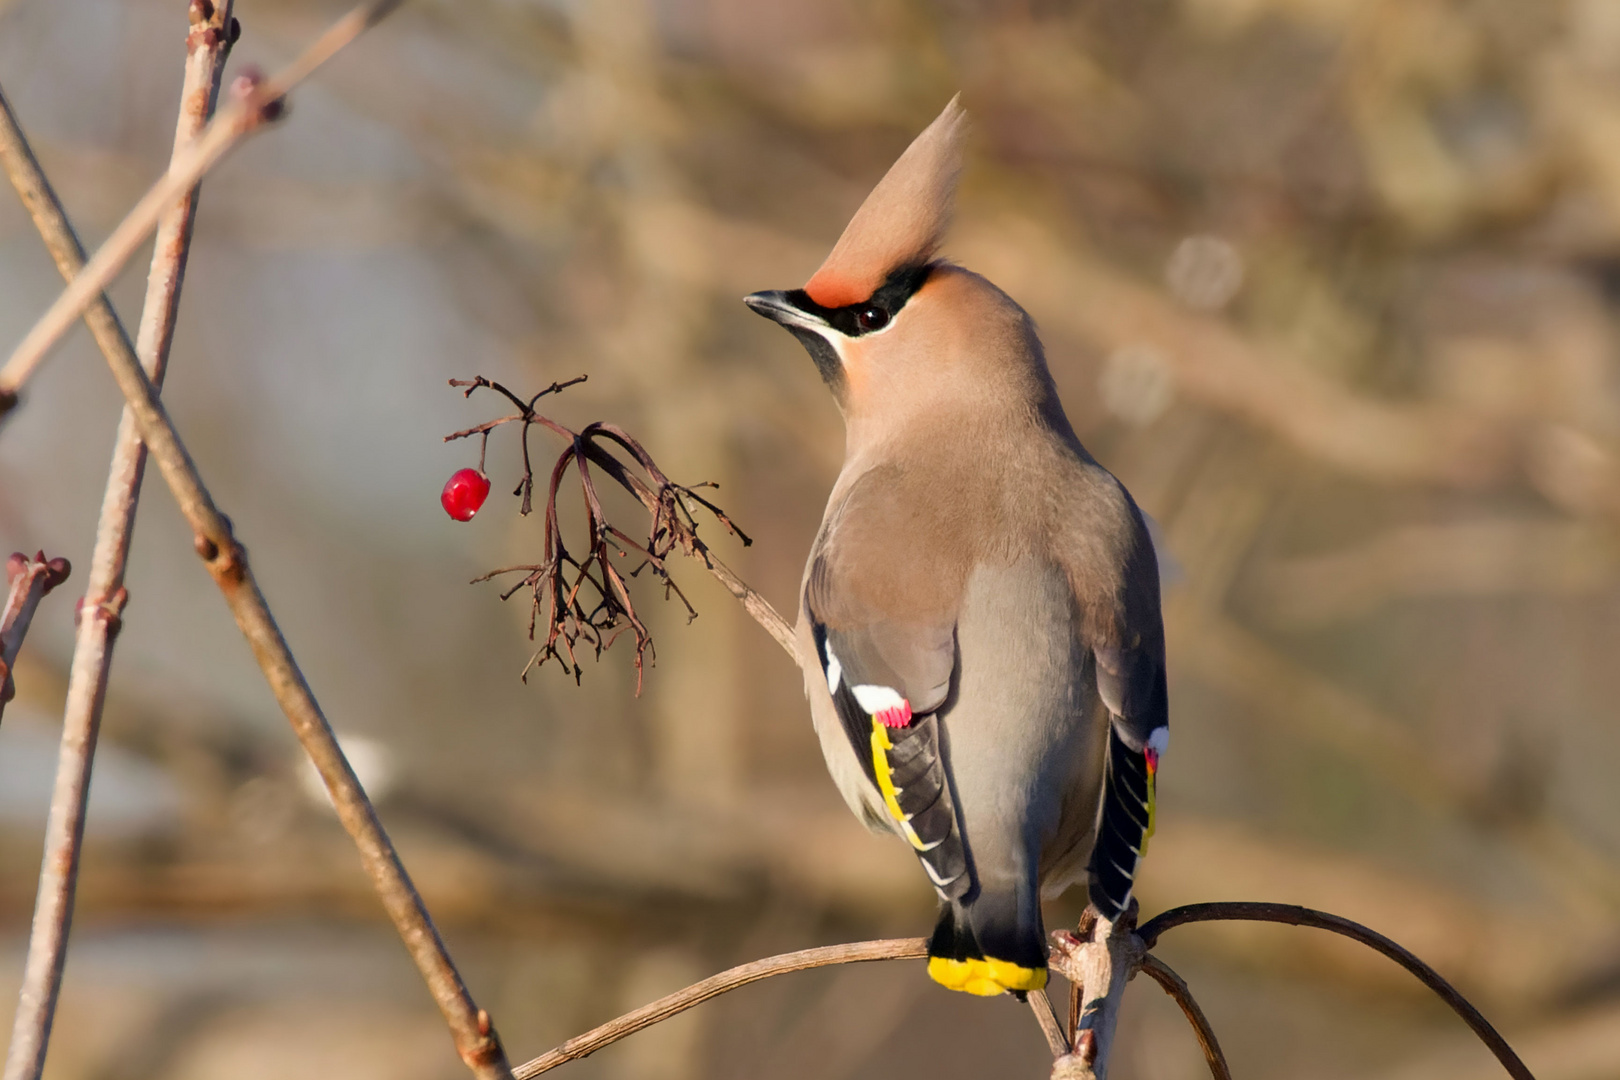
888,298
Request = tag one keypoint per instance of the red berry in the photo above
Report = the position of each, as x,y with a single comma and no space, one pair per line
464,493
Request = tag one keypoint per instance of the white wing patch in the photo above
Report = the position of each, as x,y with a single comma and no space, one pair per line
874,699
835,672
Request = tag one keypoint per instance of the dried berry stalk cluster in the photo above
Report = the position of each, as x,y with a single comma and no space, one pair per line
585,596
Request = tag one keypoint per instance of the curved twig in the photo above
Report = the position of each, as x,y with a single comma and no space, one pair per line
696,994
1294,915
1177,988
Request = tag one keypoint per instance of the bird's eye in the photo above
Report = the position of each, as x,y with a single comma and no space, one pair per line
871,317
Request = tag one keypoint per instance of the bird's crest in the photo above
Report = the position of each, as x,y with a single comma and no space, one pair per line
902,221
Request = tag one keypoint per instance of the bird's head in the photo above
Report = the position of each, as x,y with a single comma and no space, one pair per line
890,327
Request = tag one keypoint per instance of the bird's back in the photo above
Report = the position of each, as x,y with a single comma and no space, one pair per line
1025,734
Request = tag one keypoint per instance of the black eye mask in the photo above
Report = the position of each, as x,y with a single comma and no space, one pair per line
872,314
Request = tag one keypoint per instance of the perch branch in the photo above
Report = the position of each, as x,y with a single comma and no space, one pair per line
696,994
208,43
1293,915
226,560
258,103
1099,957
28,580
1177,988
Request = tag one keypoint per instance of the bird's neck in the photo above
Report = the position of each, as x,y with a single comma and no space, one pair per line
943,428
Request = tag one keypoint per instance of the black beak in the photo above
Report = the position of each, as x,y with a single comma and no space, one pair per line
788,310
777,306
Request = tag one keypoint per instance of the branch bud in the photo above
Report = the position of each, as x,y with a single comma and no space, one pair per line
245,88
57,571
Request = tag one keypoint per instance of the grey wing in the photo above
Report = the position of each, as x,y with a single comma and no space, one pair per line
887,682
1131,683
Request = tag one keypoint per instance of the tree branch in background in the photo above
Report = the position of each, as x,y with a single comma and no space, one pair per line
60,240
226,560
27,580
585,597
1294,915
1217,364
696,994
208,43
1161,973
258,103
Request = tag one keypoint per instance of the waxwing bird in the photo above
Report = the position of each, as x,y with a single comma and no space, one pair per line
982,599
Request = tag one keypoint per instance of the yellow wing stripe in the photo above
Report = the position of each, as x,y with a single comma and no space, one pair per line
881,745
986,977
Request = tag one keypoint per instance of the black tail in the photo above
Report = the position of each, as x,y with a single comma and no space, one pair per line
992,944
1123,827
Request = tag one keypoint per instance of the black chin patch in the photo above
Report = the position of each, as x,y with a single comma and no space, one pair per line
822,352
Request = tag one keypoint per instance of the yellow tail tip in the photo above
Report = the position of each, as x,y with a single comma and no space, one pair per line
985,978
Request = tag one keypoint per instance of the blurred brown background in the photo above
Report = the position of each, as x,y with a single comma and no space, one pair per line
1330,284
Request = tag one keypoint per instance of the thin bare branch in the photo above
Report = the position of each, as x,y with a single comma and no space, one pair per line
1072,1028
64,834
1293,915
258,105
758,608
1099,959
208,43
28,581
60,240
226,560
696,994
1051,1027
1177,988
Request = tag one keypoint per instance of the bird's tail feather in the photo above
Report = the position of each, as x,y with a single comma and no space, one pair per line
990,945
1124,825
